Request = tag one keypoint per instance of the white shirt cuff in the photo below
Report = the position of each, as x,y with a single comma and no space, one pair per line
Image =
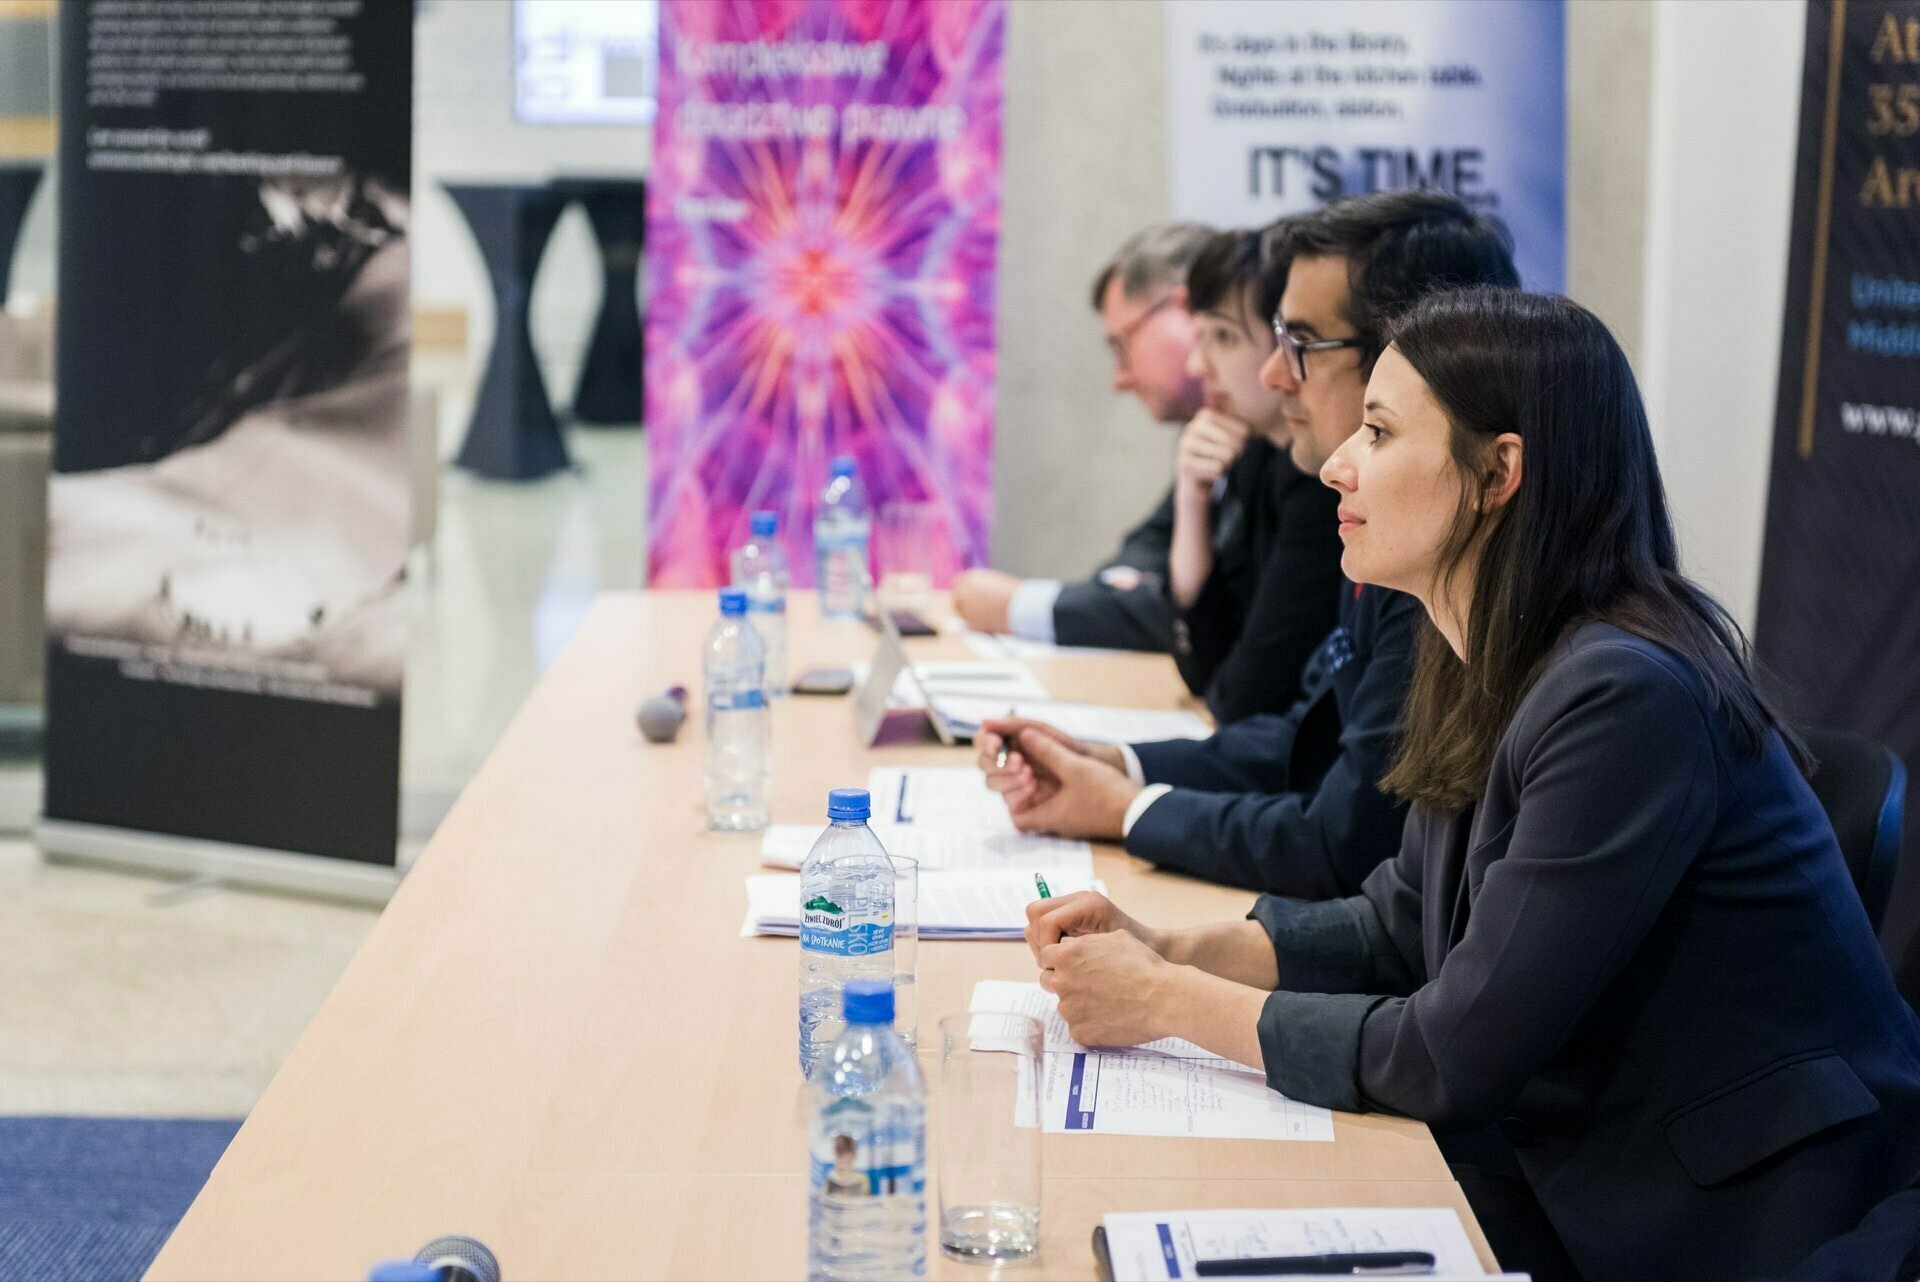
1140,805
1030,611
1131,760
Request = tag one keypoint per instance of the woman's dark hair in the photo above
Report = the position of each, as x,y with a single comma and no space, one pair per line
1585,537
1234,275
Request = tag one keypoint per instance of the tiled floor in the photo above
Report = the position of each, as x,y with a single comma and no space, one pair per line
117,996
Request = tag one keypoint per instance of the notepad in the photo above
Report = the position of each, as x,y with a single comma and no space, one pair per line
1159,1246
1169,1087
1057,859
955,798
1092,722
954,905
997,680
990,645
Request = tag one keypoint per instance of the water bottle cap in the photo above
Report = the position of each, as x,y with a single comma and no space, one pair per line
403,1271
843,465
733,601
867,1001
764,524
849,803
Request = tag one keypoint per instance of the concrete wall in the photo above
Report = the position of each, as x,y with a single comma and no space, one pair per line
1726,96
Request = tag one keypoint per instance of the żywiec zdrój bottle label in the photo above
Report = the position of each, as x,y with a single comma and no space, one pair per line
828,927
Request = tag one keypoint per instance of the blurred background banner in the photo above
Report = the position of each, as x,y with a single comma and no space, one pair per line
228,516
822,223
1280,106
1838,626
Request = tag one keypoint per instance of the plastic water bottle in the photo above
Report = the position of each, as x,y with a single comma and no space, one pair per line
842,529
739,749
760,570
846,919
868,1136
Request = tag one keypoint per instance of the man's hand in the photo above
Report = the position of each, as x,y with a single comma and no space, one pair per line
1111,988
981,597
1084,912
1053,782
1208,447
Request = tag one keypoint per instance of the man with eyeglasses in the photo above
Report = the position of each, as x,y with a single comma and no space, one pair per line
1285,803
1140,295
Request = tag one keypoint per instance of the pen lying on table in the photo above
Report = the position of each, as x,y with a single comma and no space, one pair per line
1345,1264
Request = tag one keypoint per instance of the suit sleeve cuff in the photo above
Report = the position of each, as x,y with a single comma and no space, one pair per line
1319,946
1310,1046
1030,611
1132,761
1139,805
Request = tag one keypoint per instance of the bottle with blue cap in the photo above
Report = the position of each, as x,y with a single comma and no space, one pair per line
739,743
867,1182
846,919
760,570
842,530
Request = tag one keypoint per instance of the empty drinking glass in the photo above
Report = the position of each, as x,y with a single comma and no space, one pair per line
986,1118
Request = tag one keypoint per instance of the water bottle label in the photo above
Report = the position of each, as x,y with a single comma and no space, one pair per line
860,1153
766,605
826,927
737,700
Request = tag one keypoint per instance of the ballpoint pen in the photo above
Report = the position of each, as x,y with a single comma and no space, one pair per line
1040,884
1000,758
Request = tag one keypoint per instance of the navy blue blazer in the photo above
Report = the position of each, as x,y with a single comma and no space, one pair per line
1642,957
1288,802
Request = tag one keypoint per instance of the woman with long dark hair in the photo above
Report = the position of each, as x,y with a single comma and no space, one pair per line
1619,936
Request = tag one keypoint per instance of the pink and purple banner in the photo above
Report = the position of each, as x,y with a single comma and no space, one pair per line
822,219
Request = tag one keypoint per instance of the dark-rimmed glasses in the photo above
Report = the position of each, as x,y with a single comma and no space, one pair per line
1296,351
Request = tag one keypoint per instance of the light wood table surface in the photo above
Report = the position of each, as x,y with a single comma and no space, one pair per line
556,1041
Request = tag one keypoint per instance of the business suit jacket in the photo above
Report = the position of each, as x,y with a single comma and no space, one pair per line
1243,642
1290,803
1094,612
1642,957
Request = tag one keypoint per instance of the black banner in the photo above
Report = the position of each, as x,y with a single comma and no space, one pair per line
228,520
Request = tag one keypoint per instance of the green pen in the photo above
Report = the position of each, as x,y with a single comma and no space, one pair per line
1040,884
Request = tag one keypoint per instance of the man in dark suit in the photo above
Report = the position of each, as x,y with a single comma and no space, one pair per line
1140,295
1284,802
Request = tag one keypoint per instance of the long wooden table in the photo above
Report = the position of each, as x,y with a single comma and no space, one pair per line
556,1041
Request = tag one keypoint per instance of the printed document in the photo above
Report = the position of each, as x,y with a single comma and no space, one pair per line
1167,1087
1158,1246
951,797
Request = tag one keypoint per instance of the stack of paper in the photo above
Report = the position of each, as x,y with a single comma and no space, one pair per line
1168,1087
998,681
948,850
953,905
954,798
991,646
1095,723
1157,1246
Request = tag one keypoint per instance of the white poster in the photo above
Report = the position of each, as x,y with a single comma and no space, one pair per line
1280,106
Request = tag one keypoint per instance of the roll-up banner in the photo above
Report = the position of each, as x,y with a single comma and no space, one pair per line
228,516
822,221
1281,106
1838,626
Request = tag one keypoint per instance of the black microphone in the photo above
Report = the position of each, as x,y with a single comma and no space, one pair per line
459,1259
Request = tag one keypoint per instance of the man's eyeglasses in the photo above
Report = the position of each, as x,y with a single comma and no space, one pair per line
1296,351
1120,343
